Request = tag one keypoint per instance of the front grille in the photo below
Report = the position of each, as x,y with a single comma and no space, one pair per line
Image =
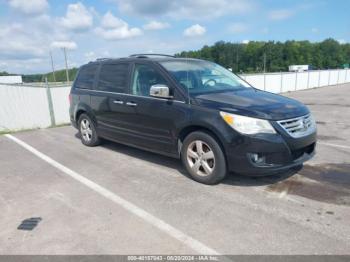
299,126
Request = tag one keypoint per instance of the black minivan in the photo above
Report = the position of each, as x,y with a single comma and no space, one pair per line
194,110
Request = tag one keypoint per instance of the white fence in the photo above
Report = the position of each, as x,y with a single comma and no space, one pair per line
29,107
292,81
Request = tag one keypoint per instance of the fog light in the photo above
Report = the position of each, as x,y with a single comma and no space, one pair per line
257,158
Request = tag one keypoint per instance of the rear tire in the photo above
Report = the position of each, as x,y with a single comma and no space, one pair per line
87,131
203,158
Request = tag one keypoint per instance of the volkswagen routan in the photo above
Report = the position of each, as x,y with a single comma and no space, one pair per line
194,110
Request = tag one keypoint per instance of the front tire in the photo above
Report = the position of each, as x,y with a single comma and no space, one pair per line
203,158
87,130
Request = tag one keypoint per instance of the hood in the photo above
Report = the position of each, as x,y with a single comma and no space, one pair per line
254,103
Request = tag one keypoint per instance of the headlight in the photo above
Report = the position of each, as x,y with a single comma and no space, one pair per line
247,125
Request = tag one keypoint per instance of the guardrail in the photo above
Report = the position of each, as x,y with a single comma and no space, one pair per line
30,106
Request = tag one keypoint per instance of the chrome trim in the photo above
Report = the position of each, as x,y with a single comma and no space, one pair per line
160,91
131,104
119,102
299,126
115,93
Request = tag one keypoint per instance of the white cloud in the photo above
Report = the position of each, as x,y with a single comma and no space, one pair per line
110,21
70,45
155,25
195,30
114,28
25,66
20,43
78,17
280,14
237,28
341,41
245,42
314,30
194,9
90,56
23,45
29,7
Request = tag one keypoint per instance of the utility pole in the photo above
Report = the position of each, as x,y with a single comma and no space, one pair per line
53,69
65,58
264,62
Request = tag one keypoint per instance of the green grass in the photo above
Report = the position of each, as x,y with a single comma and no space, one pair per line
4,132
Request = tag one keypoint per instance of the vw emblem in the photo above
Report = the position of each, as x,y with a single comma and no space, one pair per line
304,123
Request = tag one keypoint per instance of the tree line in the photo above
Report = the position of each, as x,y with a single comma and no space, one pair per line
254,56
274,56
60,76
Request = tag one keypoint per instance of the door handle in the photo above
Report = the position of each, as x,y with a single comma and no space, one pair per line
131,104
119,102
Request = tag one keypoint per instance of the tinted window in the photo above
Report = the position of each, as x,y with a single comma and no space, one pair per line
113,77
86,77
144,77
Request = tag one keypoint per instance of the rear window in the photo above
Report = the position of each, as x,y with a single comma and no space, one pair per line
113,77
86,77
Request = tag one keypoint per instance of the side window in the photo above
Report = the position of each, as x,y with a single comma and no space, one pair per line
86,77
144,77
113,77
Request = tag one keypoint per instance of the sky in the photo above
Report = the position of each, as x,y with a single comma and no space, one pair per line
90,29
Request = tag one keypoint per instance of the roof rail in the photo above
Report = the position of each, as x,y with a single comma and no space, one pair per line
102,59
147,55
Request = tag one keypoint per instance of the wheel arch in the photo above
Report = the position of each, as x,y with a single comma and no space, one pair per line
83,109
78,114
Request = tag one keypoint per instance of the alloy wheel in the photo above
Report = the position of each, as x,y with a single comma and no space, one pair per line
200,158
85,130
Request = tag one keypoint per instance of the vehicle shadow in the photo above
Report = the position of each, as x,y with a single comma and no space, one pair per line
153,158
235,179
232,179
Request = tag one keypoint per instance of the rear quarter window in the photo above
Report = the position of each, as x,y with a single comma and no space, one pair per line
86,77
114,77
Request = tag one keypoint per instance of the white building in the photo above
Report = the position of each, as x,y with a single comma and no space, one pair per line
11,80
298,68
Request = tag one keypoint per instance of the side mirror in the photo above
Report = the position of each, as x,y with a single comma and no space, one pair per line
161,91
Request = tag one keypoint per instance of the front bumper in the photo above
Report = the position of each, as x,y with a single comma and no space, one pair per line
278,151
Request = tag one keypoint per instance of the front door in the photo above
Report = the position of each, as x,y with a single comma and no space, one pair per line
155,119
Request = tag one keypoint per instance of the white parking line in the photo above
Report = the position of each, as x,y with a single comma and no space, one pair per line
160,224
333,145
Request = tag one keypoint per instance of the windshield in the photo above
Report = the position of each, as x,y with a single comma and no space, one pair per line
198,76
